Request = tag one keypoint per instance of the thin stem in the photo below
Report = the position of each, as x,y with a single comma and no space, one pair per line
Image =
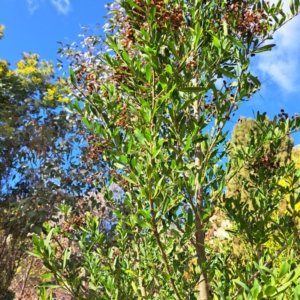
140,276
26,278
152,205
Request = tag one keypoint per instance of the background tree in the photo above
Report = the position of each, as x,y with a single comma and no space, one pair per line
44,161
245,130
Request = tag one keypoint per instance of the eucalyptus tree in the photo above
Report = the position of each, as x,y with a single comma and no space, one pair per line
43,158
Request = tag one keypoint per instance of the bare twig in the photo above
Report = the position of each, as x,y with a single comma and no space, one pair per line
26,278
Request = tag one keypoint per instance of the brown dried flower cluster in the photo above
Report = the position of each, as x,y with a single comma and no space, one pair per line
123,117
73,221
246,20
95,150
80,73
89,79
120,74
192,63
266,162
164,16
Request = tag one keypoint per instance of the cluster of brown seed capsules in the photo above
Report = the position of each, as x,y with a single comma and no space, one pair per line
266,162
164,16
95,149
68,227
246,20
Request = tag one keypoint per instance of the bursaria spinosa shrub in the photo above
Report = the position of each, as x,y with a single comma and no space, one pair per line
158,90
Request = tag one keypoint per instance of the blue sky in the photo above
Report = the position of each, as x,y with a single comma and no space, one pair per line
37,25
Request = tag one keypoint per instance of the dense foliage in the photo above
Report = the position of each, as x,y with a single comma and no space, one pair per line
267,158
156,100
155,96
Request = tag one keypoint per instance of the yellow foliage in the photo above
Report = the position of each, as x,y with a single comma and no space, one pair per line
63,99
33,74
3,67
26,70
61,81
50,94
36,80
296,156
28,65
187,274
52,90
2,27
286,182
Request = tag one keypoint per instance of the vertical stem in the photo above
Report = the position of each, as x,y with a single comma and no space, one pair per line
26,278
200,233
140,276
142,288
152,205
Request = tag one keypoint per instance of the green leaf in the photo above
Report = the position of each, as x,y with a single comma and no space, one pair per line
254,292
35,253
243,285
169,69
225,27
199,31
190,219
292,7
145,213
270,290
256,289
166,205
146,114
227,73
47,275
72,77
49,285
123,159
35,240
163,80
282,288
140,137
216,42
296,5
126,57
192,89
66,257
86,122
134,287
158,186
264,48
148,70
132,180
255,80
284,269
235,41
47,241
188,143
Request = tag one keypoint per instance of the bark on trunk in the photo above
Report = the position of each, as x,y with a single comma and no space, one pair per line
200,232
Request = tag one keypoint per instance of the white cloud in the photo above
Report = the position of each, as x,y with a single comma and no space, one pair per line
63,6
283,62
33,5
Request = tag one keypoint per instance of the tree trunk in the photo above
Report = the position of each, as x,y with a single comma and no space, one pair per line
200,233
